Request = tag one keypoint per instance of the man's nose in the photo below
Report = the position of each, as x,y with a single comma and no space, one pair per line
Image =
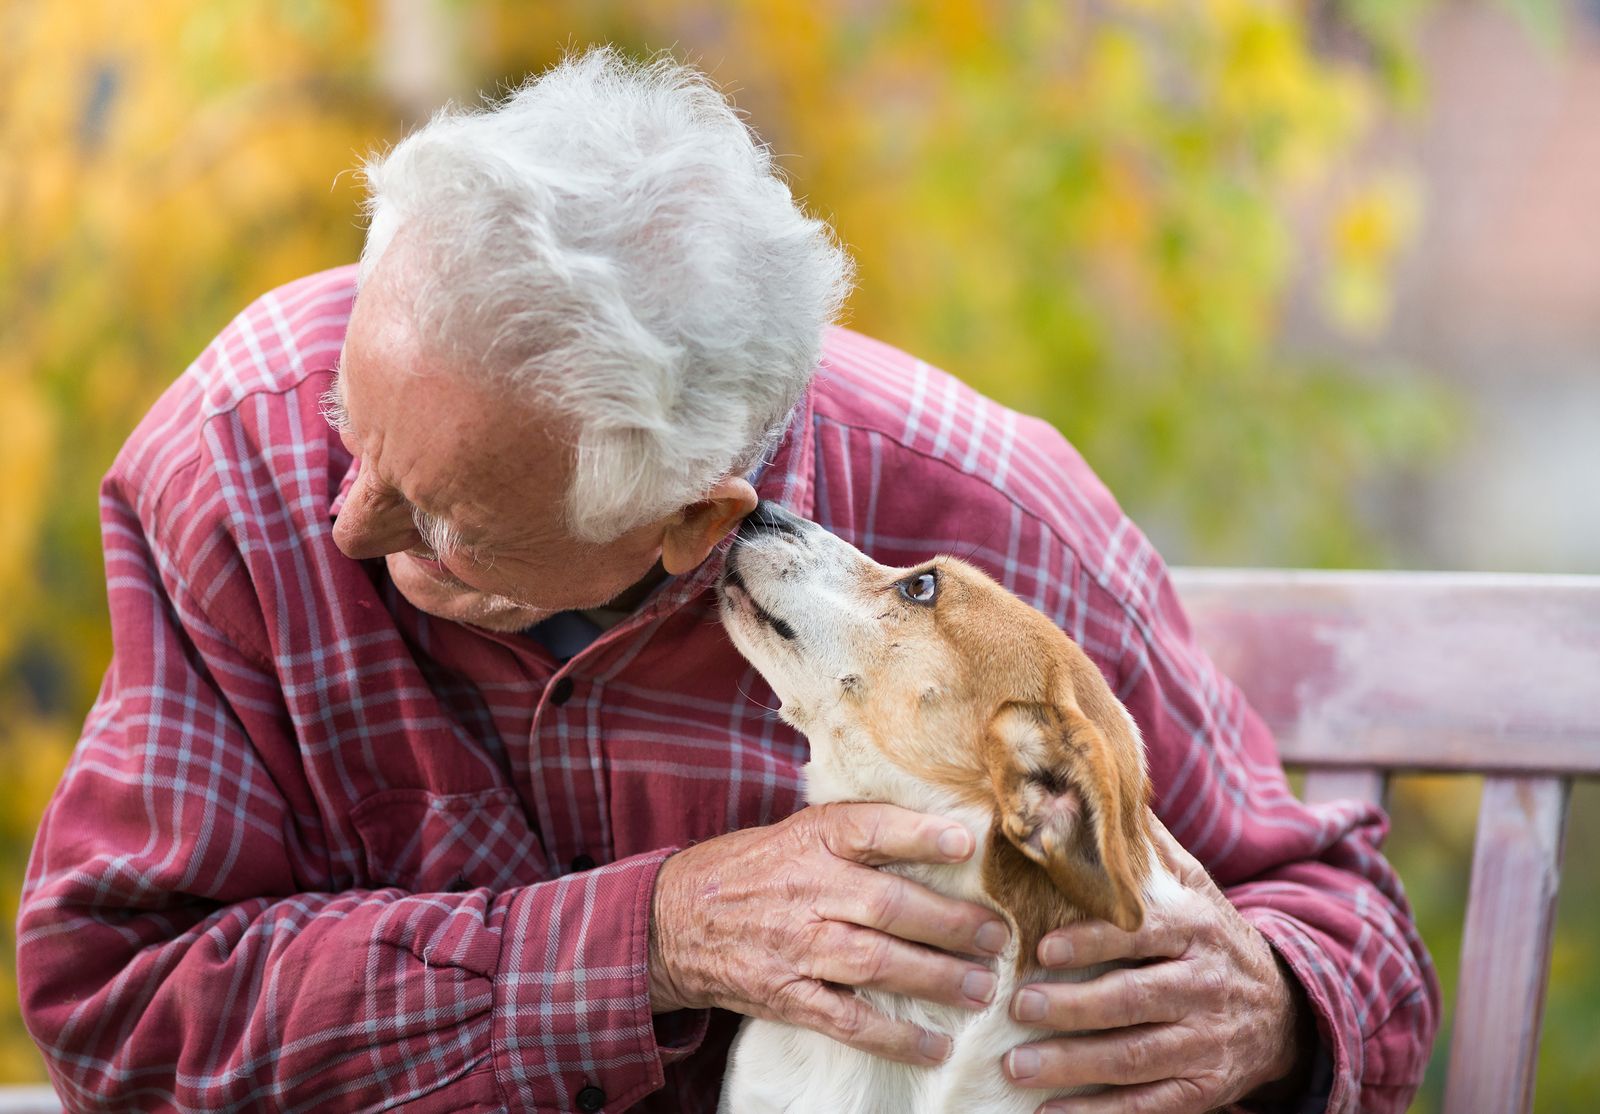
373,523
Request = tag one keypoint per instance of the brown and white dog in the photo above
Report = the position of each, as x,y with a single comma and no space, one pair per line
936,689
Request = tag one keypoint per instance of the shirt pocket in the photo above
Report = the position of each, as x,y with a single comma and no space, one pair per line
428,842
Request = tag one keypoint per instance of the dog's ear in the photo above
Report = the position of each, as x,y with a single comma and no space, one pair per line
1072,802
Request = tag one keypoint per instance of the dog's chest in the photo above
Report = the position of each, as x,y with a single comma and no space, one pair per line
776,1068
973,1077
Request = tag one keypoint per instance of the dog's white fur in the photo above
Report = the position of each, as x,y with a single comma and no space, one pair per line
811,613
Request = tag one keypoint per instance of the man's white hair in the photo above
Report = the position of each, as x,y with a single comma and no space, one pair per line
612,240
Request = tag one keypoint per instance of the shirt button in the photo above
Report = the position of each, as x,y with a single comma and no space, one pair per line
560,693
583,862
591,1098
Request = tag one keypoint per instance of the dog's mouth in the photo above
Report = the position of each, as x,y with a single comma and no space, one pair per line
733,587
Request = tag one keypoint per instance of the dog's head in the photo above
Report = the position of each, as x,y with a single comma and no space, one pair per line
935,688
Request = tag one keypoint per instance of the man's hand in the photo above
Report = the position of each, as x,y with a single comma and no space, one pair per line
1210,1018
778,922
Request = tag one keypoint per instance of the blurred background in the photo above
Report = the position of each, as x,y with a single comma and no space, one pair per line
1309,284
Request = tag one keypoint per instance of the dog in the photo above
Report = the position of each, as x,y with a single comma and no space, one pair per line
936,689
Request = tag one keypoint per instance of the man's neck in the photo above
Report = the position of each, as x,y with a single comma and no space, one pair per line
628,600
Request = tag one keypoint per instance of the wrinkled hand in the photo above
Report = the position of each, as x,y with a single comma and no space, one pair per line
1210,1018
778,922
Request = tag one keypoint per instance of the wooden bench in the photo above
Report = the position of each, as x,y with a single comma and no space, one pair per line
1366,674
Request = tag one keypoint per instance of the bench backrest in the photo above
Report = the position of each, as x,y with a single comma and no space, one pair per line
1364,674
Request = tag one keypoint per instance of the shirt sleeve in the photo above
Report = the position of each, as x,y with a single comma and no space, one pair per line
1311,879
174,949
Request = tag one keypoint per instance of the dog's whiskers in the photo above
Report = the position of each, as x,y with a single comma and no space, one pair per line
967,556
744,692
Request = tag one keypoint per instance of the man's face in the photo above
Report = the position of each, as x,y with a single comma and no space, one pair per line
464,454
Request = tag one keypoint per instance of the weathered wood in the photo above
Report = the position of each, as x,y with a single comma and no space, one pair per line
29,1100
1414,671
1505,946
1362,674
1323,785
1426,750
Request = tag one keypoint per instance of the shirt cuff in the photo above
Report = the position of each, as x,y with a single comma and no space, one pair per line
679,1033
1314,1098
1333,1083
572,1026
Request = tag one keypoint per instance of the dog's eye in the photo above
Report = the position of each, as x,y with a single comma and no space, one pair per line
921,588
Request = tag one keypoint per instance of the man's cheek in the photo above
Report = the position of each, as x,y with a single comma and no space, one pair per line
494,578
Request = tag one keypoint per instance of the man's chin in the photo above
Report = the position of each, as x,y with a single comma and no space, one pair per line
458,602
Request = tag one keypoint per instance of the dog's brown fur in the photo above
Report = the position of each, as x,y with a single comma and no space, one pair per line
935,689
1029,728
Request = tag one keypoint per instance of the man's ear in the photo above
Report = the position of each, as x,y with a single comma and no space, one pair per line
1060,803
695,531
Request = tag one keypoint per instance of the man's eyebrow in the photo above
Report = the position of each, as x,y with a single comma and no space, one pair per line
331,405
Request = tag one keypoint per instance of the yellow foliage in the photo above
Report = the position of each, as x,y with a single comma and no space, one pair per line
37,750
1366,233
166,162
27,451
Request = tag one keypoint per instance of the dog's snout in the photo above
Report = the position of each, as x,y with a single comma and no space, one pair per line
770,517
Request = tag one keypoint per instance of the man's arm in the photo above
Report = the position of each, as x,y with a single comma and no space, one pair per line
1308,882
178,944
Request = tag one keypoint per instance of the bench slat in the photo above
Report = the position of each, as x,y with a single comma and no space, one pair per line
1505,945
35,1099
1324,785
1412,671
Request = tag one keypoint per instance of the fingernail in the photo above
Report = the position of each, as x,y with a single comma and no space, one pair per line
1023,1063
978,986
955,842
992,938
1029,1006
934,1046
1055,952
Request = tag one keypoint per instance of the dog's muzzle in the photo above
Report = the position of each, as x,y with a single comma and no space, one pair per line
770,518
767,519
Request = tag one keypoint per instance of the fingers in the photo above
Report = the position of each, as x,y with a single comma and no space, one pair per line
848,1020
1125,997
843,953
1089,942
874,834
1169,1096
1185,866
1146,1054
911,911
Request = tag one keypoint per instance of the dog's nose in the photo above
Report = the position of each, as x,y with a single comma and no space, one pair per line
769,516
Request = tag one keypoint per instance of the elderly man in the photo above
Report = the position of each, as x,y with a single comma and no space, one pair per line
424,777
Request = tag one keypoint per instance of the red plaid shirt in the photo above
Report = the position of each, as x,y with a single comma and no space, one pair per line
316,850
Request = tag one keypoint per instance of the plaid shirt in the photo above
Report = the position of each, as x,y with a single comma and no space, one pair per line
316,850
